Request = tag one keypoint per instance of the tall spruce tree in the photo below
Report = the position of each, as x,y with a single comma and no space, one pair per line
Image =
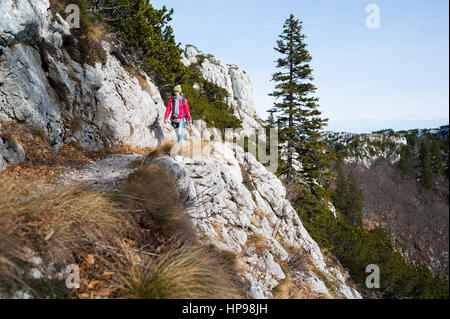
297,112
426,170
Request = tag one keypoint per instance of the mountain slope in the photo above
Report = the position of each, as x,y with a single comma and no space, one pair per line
388,168
58,106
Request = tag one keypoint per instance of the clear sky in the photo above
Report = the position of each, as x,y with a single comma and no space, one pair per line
394,76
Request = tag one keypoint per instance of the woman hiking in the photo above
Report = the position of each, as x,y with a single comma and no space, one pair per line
179,107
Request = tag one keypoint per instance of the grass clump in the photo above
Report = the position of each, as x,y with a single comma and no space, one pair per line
183,270
258,241
151,191
58,223
133,72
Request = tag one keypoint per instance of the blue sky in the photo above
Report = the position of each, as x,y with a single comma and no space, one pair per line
395,76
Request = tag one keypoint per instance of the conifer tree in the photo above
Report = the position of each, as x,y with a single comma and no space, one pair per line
340,194
436,158
147,33
297,112
354,201
426,170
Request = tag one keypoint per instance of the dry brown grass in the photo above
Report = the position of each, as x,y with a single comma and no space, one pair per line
153,153
75,125
196,149
218,229
188,149
138,75
254,221
258,211
127,149
42,163
258,241
286,289
109,240
151,191
161,151
183,270
58,223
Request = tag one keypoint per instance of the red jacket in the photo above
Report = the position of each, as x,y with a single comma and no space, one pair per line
183,110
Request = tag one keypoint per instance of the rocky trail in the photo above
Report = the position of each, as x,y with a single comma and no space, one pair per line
238,206
104,174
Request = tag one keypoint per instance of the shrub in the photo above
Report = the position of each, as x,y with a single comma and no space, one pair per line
84,44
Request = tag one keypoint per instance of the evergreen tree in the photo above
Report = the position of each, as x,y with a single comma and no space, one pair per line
406,163
340,194
436,158
426,170
149,38
297,112
354,201
348,197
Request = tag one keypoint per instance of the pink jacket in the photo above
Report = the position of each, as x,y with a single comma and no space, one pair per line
183,110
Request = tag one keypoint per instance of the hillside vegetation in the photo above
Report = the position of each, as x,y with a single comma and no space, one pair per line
392,212
145,41
155,231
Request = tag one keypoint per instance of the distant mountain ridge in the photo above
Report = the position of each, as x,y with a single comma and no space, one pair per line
391,169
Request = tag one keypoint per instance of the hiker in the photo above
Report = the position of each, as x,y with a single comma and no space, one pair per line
179,107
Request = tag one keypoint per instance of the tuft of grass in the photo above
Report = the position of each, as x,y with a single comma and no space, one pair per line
75,125
40,133
247,181
13,141
259,211
151,191
188,149
286,289
183,270
56,222
133,72
254,221
258,241
218,229
161,151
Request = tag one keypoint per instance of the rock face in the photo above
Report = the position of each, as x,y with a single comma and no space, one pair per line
390,198
237,205
364,149
11,152
234,80
42,86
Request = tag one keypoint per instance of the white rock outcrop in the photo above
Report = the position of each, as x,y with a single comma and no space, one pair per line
237,205
41,85
234,80
364,149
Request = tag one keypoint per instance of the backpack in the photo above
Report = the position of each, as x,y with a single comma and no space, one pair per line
184,106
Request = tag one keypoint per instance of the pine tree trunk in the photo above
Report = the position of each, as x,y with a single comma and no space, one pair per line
291,122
